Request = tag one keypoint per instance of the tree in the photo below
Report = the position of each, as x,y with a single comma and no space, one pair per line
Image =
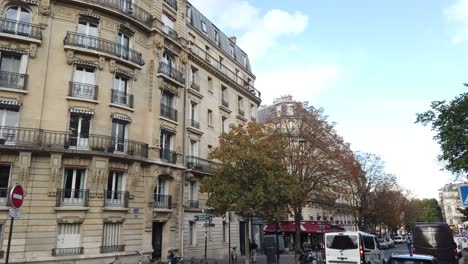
450,122
251,179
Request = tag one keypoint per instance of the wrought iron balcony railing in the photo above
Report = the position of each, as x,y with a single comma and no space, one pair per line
127,7
61,140
194,123
234,77
19,28
193,203
202,165
13,80
102,45
83,90
171,72
168,112
115,199
122,98
114,248
225,102
72,197
171,3
67,251
170,32
168,155
163,201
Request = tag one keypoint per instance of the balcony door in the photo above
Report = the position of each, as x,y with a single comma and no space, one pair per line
4,183
115,188
9,118
120,90
123,45
73,187
126,5
78,130
161,198
87,33
118,135
18,21
11,69
167,58
84,79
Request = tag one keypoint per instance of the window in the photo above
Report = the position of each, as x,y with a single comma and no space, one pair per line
203,24
194,77
189,14
192,237
167,59
161,197
166,139
244,61
193,195
224,126
74,193
210,84
193,151
123,45
210,117
237,75
167,104
126,5
224,100
78,130
224,231
115,192
68,239
87,32
9,117
231,50
240,105
111,238
220,62
253,112
4,183
342,242
167,21
12,69
217,40
368,242
207,55
120,91
166,146
84,79
194,115
19,21
119,135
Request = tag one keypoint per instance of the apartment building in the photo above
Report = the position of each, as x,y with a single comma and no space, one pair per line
108,111
449,201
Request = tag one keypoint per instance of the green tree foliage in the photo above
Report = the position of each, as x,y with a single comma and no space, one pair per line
450,122
424,210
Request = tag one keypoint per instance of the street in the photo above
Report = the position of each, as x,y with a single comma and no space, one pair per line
398,249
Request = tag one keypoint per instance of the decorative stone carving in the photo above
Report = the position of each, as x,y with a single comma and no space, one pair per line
183,58
32,50
24,163
133,177
150,87
112,66
55,173
70,56
45,7
102,63
97,177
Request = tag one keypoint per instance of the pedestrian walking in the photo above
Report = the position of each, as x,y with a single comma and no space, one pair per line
253,251
409,245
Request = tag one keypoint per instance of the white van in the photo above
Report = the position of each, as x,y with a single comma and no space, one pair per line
352,248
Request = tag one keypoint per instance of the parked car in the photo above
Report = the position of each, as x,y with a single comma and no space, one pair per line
435,239
462,243
383,243
390,242
413,259
352,247
398,240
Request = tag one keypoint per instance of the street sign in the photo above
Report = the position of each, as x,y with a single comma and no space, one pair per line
16,196
15,212
136,211
463,189
205,218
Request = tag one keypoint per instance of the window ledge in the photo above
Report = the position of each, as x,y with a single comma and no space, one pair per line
82,99
170,79
195,130
188,209
13,90
103,54
241,117
71,208
122,107
17,37
195,92
115,209
162,210
169,120
225,109
4,208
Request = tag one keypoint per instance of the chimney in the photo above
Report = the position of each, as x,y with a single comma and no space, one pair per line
233,39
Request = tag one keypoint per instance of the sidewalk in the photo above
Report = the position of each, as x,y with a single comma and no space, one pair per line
262,259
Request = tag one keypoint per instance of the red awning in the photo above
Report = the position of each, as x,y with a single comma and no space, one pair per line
306,227
288,226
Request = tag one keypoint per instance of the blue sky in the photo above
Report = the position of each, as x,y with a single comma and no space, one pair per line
372,65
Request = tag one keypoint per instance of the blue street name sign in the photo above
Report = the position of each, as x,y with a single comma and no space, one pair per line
206,218
463,189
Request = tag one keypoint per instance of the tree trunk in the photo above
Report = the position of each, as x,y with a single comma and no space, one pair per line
247,241
297,222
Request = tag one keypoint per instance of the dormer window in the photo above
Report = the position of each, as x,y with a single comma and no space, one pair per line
19,20
203,25
216,35
231,50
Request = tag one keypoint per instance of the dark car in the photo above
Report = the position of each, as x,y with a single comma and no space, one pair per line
413,259
435,239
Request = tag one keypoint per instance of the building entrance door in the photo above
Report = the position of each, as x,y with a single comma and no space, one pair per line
157,239
242,237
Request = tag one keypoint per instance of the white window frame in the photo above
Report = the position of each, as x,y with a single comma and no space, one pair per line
194,148
168,135
68,235
116,136
81,143
4,193
210,117
204,28
23,61
111,234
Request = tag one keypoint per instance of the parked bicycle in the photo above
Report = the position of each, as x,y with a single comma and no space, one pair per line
234,255
145,259
174,257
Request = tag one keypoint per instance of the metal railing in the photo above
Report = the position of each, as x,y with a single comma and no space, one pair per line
122,98
50,139
4,193
168,155
83,90
162,201
203,55
170,32
171,72
168,112
114,248
127,7
171,3
13,80
225,103
67,251
115,199
20,28
194,123
72,197
193,203
202,165
103,45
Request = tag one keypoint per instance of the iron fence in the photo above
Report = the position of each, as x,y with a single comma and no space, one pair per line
72,197
127,7
168,112
20,28
116,198
162,201
122,98
168,155
83,90
171,72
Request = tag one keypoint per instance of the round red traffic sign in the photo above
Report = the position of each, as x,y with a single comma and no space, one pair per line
16,196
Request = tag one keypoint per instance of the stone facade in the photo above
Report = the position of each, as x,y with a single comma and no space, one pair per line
108,110
449,201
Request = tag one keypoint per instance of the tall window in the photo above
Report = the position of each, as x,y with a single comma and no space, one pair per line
210,117
167,99
203,24
244,60
167,146
10,62
87,32
192,234
161,197
194,114
115,186
123,45
194,76
167,21
167,58
18,20
189,14
231,50
119,135
210,84
119,94
193,191
216,35
224,97
68,237
4,183
84,79
74,187
253,112
111,237
126,5
224,126
78,130
166,139
220,62
193,148
224,231
240,105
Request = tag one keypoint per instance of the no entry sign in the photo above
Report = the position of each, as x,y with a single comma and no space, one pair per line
16,196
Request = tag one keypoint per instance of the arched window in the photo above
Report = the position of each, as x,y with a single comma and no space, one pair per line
18,20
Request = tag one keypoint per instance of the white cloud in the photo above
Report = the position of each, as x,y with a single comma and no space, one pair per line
260,33
458,13
301,82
